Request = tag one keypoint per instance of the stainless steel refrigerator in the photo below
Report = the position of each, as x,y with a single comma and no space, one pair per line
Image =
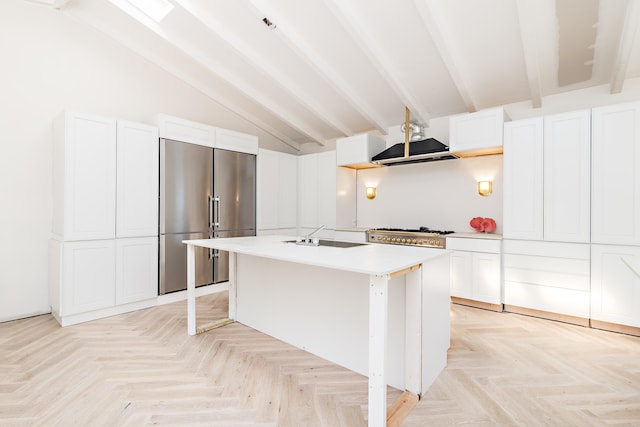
204,193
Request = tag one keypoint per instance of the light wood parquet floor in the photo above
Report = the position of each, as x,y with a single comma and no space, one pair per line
142,368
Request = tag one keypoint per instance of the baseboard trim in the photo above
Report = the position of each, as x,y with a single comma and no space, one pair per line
615,327
477,304
565,318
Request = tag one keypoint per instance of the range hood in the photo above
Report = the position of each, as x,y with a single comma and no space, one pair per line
426,150
423,150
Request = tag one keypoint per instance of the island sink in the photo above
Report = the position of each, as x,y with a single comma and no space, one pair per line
321,242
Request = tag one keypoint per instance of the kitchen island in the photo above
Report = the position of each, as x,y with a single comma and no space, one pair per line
380,310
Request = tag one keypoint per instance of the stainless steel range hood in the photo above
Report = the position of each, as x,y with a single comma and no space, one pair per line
424,150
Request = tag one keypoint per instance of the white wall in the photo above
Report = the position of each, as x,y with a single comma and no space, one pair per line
440,195
51,63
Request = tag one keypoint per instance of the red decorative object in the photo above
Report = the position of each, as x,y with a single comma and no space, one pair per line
486,225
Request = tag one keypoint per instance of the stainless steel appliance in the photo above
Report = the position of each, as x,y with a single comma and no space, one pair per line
204,193
422,236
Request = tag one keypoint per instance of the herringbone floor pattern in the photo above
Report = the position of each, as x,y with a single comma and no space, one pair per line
142,368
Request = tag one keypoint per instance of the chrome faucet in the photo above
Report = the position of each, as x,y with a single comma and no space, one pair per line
308,238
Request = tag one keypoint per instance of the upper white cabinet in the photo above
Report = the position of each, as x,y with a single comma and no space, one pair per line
477,133
235,141
522,186
186,131
277,190
547,178
615,207
84,177
137,180
567,164
317,190
356,151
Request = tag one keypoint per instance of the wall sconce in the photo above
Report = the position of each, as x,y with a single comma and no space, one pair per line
485,188
371,193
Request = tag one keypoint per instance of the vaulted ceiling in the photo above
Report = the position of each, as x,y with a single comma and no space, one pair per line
306,71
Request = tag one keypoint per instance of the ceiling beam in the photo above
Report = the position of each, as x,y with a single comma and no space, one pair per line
625,46
528,18
429,16
354,26
314,59
96,22
264,65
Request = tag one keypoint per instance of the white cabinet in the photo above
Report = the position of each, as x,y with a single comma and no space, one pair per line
477,133
186,131
235,141
137,180
136,276
476,270
317,190
86,276
567,165
84,177
615,284
277,190
615,208
104,254
356,151
549,278
522,186
547,178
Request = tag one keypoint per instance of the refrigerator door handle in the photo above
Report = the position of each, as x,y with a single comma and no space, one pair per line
210,212
216,222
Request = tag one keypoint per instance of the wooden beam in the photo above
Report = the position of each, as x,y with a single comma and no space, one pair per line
264,65
404,271
428,14
623,55
312,57
354,26
401,408
527,18
213,325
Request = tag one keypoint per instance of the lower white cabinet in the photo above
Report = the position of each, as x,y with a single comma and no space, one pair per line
615,284
136,269
547,277
99,278
476,269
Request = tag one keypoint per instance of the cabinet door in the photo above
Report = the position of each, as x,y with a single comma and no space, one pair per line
136,269
287,191
615,206
89,276
486,284
89,207
268,189
476,131
523,201
137,180
327,189
615,284
461,274
567,177
235,141
308,190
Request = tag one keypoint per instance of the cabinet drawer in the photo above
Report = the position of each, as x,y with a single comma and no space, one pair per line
569,302
491,246
546,249
546,271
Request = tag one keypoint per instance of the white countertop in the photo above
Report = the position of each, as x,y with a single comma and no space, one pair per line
377,259
476,235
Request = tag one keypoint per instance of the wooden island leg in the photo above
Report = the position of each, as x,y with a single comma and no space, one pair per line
191,290
378,311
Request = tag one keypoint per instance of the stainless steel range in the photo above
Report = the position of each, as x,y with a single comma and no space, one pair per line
422,236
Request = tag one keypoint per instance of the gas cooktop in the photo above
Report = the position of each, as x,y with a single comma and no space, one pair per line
423,236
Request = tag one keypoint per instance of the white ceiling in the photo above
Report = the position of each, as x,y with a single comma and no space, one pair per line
332,68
